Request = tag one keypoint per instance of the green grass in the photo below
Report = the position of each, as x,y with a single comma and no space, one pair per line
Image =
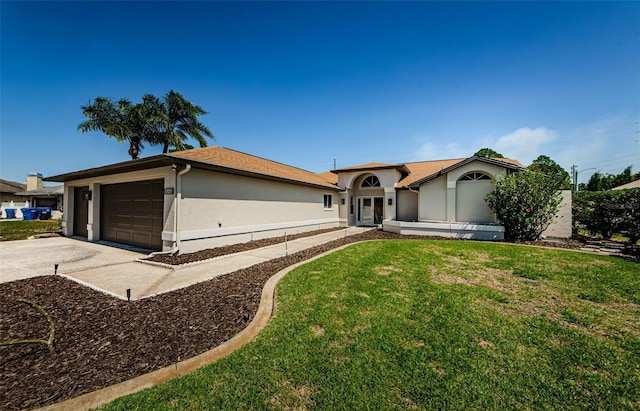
21,230
434,325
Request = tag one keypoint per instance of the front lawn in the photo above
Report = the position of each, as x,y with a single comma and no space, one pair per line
21,230
402,324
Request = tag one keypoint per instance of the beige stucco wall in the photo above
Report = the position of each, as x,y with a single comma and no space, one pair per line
218,208
470,203
432,200
561,227
407,207
437,199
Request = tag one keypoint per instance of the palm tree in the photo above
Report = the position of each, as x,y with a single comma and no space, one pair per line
175,119
169,122
120,120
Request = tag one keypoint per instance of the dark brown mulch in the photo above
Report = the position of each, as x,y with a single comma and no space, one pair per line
231,249
101,341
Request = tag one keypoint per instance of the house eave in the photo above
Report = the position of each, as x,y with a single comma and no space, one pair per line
466,161
400,167
163,160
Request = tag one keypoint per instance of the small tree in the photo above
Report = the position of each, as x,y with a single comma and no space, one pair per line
545,165
608,212
488,152
525,203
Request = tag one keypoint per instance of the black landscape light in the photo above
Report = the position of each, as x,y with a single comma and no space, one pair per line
128,294
245,317
55,269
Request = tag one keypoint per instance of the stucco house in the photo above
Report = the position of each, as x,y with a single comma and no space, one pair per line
8,190
39,195
207,197
32,194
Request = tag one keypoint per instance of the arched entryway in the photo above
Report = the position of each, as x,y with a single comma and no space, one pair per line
368,200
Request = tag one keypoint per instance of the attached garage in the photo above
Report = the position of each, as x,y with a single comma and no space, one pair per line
131,213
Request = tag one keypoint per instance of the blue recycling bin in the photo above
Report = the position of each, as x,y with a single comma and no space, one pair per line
11,212
28,213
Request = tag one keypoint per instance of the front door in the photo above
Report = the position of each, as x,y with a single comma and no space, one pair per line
370,211
80,211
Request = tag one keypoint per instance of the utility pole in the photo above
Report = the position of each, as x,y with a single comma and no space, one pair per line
334,163
574,176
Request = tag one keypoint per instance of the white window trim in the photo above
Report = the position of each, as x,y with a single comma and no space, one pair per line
362,186
324,201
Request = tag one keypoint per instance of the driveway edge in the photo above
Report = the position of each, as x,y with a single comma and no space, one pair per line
263,315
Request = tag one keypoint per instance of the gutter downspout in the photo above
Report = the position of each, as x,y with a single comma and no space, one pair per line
176,217
177,196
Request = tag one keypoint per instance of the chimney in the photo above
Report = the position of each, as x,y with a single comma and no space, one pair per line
34,181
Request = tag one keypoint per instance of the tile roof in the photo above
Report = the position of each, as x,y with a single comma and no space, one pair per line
236,160
414,171
7,186
633,184
49,190
422,169
506,162
329,176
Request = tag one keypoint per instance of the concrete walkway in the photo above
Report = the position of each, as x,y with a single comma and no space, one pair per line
31,258
145,280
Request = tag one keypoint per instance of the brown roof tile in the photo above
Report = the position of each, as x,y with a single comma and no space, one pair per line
414,171
329,176
221,156
633,184
424,169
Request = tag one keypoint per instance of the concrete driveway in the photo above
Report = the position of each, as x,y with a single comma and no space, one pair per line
31,258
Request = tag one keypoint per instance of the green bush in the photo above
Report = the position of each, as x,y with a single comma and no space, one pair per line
608,212
525,203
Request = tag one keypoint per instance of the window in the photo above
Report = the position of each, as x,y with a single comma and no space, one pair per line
327,201
351,205
475,177
371,181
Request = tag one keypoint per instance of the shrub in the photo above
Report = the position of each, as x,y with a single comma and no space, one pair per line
525,203
608,212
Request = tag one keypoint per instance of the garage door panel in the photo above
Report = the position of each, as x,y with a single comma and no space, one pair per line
132,213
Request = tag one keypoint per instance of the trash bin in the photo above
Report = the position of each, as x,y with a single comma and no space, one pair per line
28,213
44,213
11,212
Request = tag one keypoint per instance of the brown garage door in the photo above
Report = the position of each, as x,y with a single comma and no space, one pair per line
131,213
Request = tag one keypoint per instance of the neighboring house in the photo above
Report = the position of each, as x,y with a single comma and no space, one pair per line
8,190
207,197
8,197
633,184
32,194
40,196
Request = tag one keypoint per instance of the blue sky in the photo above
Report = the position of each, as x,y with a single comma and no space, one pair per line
304,82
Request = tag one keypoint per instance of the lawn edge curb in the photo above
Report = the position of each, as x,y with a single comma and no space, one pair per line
263,316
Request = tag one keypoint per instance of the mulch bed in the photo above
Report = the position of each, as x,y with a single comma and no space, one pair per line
231,249
101,341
